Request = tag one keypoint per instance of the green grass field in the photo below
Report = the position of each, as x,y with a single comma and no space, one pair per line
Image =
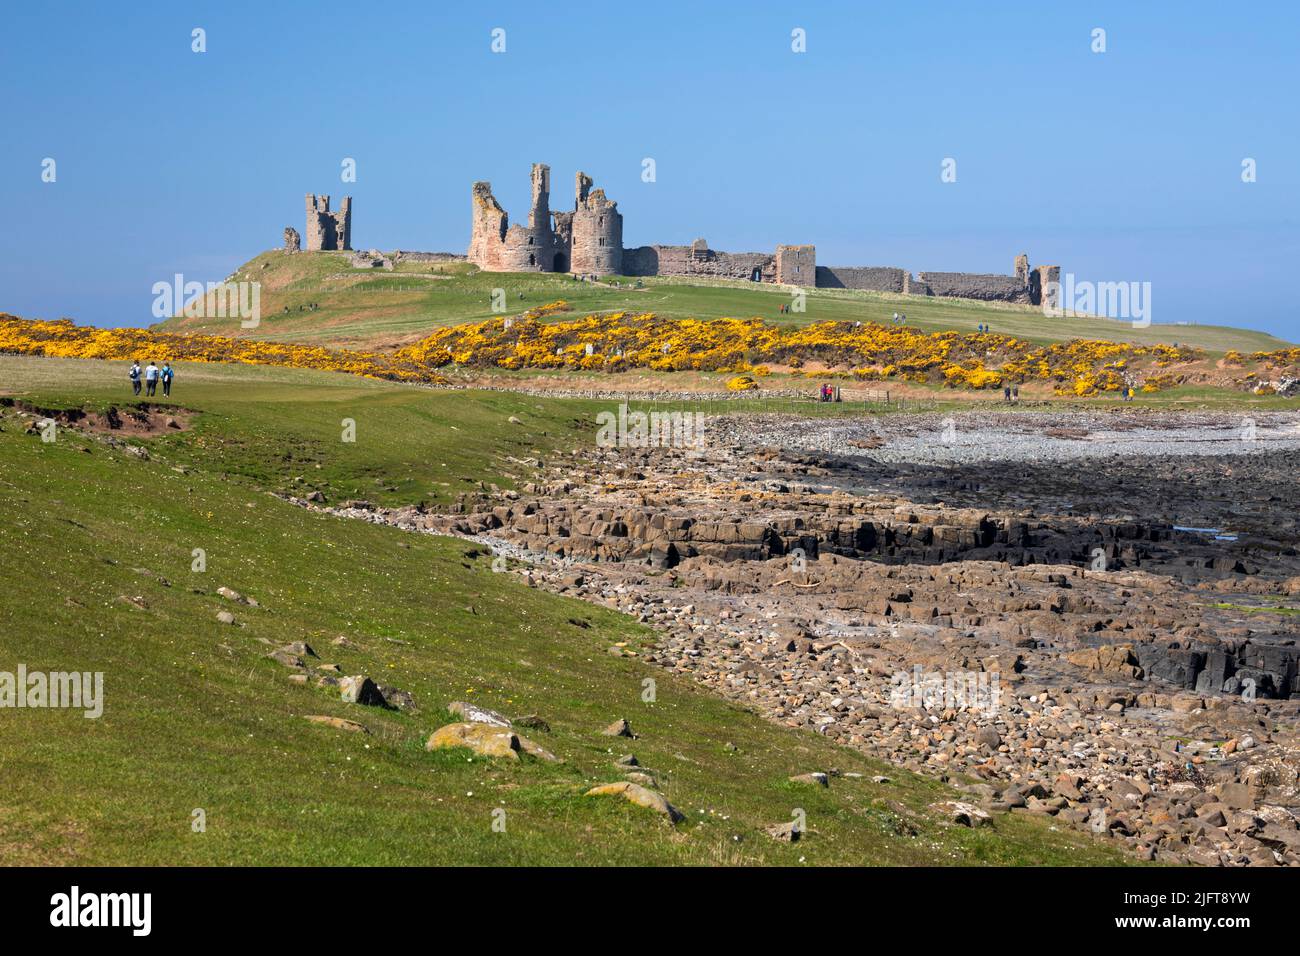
97,574
377,309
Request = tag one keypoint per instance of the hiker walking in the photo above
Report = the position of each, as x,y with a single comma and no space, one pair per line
134,375
167,375
150,379
1006,394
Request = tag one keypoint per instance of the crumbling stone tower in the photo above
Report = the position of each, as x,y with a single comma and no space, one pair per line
587,240
325,229
1045,286
596,231
796,265
497,246
1022,269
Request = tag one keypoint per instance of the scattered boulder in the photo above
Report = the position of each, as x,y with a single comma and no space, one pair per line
338,723
396,698
785,832
817,778
230,594
533,722
225,617
360,690
639,795
962,813
619,728
477,715
487,740
285,657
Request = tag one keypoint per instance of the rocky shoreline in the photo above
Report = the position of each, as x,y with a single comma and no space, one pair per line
1039,629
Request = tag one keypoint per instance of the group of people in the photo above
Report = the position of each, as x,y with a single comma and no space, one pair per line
152,375
1011,393
900,318
829,394
984,327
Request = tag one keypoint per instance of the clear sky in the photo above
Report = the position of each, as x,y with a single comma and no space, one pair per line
1120,166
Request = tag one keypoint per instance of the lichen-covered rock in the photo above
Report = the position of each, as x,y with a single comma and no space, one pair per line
488,740
639,795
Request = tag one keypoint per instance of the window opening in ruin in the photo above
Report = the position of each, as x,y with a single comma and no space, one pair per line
757,276
532,259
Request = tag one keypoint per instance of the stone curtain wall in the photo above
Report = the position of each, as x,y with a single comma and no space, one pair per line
690,261
867,278
967,285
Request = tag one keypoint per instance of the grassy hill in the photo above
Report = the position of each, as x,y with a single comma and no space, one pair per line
375,309
98,575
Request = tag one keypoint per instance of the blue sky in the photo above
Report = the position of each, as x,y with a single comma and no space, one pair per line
1119,166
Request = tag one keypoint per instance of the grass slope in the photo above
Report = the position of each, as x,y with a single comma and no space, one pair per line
97,576
364,308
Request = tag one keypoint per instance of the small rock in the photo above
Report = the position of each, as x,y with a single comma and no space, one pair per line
639,795
816,777
360,690
338,723
961,813
488,740
785,832
619,728
477,715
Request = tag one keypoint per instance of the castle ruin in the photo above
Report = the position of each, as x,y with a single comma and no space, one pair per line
586,241
327,230
589,241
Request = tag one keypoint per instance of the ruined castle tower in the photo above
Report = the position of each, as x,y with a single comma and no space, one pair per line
796,265
325,229
497,246
596,231
1022,269
1045,286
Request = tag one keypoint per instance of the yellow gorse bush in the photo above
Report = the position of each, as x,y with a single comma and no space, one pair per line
63,339
868,350
620,341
